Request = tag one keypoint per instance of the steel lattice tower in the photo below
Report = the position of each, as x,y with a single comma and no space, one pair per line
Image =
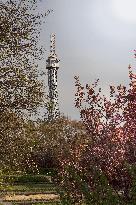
52,65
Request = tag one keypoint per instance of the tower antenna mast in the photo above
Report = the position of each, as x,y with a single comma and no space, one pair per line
52,65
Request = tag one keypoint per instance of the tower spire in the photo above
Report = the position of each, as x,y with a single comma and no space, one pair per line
52,65
52,44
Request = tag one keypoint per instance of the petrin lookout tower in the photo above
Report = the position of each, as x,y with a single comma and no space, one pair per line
52,65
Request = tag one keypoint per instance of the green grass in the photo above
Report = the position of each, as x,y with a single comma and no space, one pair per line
28,184
48,203
29,187
39,203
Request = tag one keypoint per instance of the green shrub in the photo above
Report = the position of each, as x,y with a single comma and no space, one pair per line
19,179
102,192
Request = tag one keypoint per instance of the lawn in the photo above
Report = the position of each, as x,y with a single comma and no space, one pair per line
29,189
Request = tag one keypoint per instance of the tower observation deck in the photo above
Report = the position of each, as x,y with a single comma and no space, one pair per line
52,65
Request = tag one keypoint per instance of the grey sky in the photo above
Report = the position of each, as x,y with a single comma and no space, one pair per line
94,39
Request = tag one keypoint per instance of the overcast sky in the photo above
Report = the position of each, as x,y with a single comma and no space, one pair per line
94,39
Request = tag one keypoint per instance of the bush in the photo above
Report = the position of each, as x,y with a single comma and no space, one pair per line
96,171
21,179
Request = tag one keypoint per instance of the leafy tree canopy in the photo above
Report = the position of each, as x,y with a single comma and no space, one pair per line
20,27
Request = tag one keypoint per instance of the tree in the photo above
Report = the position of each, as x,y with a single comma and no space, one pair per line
100,172
20,88
130,118
56,139
21,91
111,126
15,145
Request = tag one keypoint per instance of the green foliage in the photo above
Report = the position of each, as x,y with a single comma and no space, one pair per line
132,191
19,179
1,179
21,91
15,146
20,88
102,193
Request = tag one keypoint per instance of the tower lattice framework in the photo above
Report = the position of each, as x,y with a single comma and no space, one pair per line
52,65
